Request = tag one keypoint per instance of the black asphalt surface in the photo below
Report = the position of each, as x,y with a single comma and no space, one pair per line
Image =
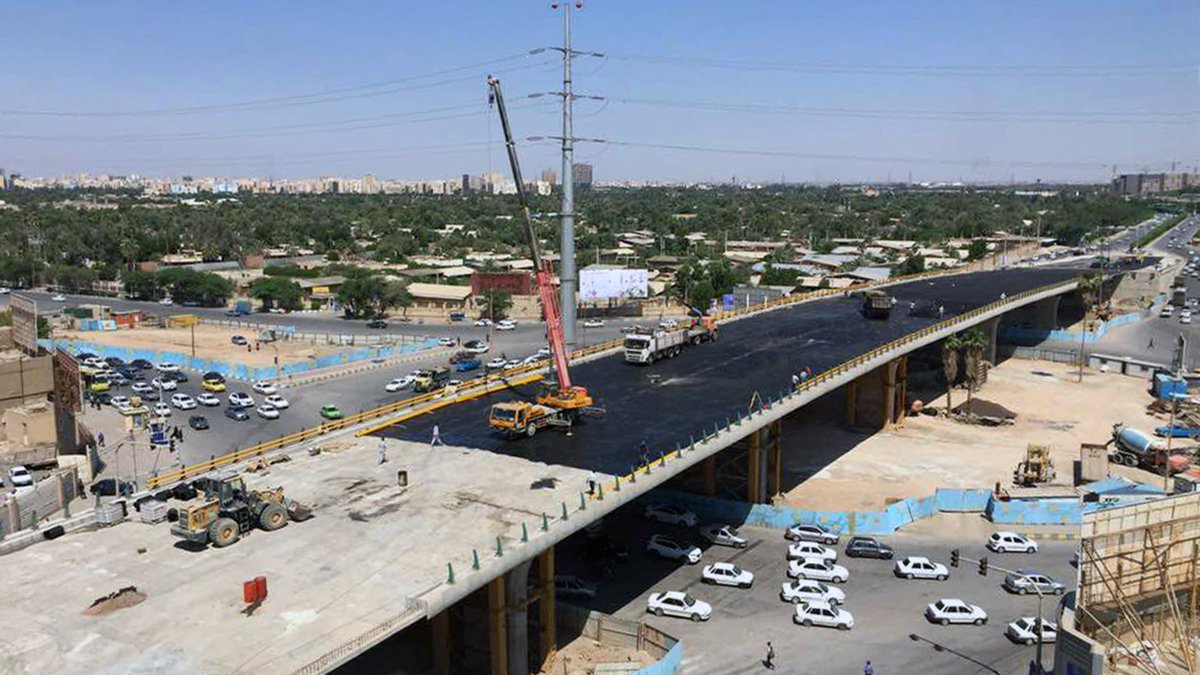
707,383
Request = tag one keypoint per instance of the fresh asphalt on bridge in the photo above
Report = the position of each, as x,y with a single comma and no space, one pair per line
708,383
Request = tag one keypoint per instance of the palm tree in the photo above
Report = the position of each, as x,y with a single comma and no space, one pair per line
1090,287
973,343
950,347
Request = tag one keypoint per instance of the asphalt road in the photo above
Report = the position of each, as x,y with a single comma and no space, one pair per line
885,609
708,382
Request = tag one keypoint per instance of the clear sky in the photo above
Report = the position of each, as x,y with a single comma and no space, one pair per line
982,90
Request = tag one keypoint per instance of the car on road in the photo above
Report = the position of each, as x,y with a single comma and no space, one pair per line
167,367
58,297
671,515
238,340
141,364
497,363
5,290
1025,580
812,532
166,302
593,323
724,535
1185,316
506,325
467,364
807,590
140,387
1025,630
817,613
267,411
446,342
567,586
513,363
237,413
811,549
241,399
678,603
952,610
399,383
264,387
151,395
114,361
377,323
483,323
543,352
1005,542
918,567
183,402
1166,311
198,422
820,570
277,401
120,402
672,549
19,476
208,399
331,412
531,359
868,547
476,346
164,384
727,574
162,409
629,329
213,382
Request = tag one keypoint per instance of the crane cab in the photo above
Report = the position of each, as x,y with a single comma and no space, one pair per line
568,398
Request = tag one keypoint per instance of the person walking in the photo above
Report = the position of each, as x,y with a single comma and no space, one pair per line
769,662
100,438
645,450
1151,345
868,670
805,374
795,380
437,437
591,483
382,450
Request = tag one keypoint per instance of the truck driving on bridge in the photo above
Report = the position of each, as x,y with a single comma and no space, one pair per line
876,304
649,345
428,380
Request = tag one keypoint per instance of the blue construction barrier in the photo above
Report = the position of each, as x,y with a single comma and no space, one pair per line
667,665
1063,511
1031,336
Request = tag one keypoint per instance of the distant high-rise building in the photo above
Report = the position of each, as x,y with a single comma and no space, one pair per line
1151,183
549,176
581,175
466,183
3,179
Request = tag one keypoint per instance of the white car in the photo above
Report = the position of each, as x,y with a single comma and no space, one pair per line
267,411
670,514
543,352
166,302
483,323
666,547
917,567
811,532
162,409
208,399
724,535
821,570
811,549
727,574
817,613
513,363
167,367
1004,542
265,388
120,401
58,297
141,388
1185,316
5,290
476,347
96,362
277,401
593,323
678,603
241,399
530,360
506,325
1025,630
164,384
952,610
807,590
497,363
183,402
19,476
446,342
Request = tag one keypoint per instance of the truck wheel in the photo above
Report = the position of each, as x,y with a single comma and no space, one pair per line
530,430
223,532
272,517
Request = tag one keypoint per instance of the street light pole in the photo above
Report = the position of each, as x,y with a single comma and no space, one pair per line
943,648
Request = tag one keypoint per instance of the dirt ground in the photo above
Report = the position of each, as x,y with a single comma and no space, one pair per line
212,342
582,654
841,469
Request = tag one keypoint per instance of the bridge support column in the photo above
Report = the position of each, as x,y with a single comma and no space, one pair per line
1046,311
710,476
753,467
546,611
888,398
497,627
851,390
990,329
902,389
516,595
441,642
774,435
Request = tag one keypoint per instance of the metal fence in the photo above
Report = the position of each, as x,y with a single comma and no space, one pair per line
609,630
1038,354
29,506
413,611
290,334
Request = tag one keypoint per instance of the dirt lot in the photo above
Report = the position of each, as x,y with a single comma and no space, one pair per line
212,342
841,469
582,654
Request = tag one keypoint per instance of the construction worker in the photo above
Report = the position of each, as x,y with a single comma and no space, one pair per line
382,450
591,483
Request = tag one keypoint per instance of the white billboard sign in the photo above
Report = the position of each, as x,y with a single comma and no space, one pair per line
604,284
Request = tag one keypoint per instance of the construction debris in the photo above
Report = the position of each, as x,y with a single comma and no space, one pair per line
126,597
983,411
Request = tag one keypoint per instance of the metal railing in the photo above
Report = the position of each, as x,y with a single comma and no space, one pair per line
335,656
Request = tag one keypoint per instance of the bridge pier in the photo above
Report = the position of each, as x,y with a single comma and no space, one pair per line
851,392
764,464
709,465
441,642
516,596
497,627
1046,313
546,607
990,329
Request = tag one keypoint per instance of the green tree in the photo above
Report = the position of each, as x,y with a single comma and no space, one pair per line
494,303
192,286
977,249
371,296
973,343
913,264
778,276
276,291
141,284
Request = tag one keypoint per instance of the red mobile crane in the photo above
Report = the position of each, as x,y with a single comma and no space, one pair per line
559,403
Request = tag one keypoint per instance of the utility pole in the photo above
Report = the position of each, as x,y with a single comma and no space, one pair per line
567,276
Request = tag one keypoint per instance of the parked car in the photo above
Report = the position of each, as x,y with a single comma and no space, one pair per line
1004,542
140,387
164,384
238,340
820,570
183,402
467,365
241,399
167,367
476,346
141,364
811,549
671,514
331,412
724,535
208,399
1025,630
506,325
1026,580
264,387
669,548
267,411
114,361
162,409
727,574
952,610
807,590
277,401
868,547
19,476
593,323
447,342
497,363
483,323
120,402
237,413
918,567
817,613
811,532
678,603
198,422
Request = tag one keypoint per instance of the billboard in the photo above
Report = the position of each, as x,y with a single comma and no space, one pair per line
24,323
613,283
67,389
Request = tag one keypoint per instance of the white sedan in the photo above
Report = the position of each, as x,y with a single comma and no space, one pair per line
267,411
277,401
164,384
208,399
670,514
724,535
58,297
166,302
811,549
1004,542
811,532
1025,630
513,363
483,323
119,401
593,323
817,613
446,342
667,547
807,590
497,363
678,603
183,402
398,384
264,387
952,610
162,409
506,325
241,399
821,570
917,567
167,367
727,574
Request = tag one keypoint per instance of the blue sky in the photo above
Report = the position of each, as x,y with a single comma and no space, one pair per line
979,91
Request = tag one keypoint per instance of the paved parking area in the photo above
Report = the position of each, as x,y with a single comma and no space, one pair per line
885,609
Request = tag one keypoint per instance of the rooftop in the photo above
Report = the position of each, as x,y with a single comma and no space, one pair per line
439,291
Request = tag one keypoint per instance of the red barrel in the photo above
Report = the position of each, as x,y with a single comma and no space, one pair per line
250,591
260,587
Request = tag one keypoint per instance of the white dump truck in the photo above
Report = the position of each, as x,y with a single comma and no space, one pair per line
650,345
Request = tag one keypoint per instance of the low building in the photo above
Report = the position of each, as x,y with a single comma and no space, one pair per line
440,297
320,292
